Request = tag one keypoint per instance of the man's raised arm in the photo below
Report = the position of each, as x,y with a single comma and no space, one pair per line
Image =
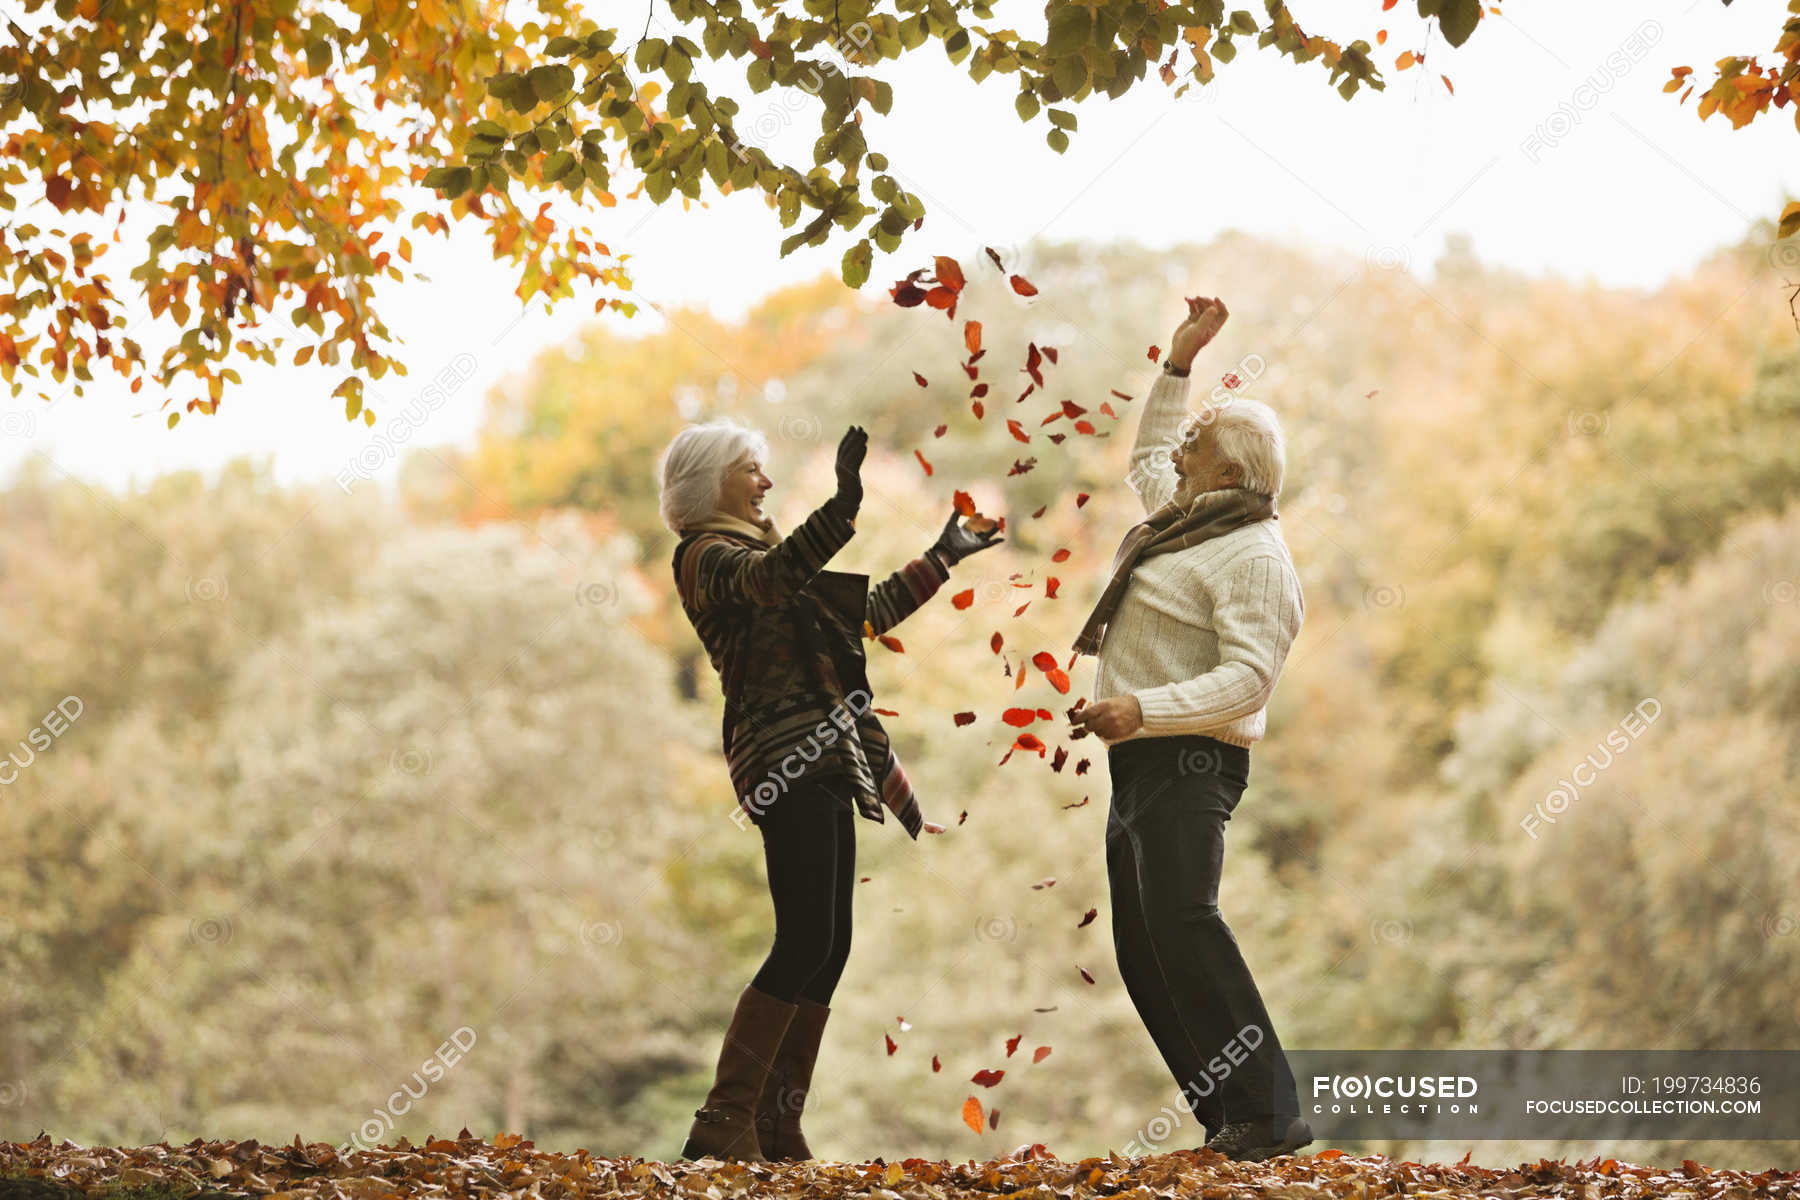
1152,474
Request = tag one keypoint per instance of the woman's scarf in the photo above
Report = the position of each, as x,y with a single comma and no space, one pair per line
724,522
1171,528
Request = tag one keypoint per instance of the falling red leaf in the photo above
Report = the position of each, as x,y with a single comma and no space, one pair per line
978,391
972,1115
1047,882
987,1078
1022,285
892,643
1050,353
1107,408
1072,410
939,431
965,503
1154,353
994,1119
1447,85
1122,395
964,718
997,265
919,379
1084,974
1033,357
1043,660
1081,499
1081,768
1018,718
963,598
976,409
949,273
1059,679
1081,804
1019,468
1050,586
885,712
1039,1055
922,462
1020,611
1029,741
907,294
1089,919
1085,427
1039,512
972,336
1017,430
1060,556
935,1064
996,643
1012,1043
963,817
891,1044
1061,757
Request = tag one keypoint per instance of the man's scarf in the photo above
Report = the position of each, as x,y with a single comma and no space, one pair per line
1171,528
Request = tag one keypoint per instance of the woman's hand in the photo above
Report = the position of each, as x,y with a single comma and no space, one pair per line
1206,315
850,453
956,543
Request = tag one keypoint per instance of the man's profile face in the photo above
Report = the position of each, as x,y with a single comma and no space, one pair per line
1198,467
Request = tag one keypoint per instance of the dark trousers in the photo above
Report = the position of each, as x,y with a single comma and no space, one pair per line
809,848
1165,848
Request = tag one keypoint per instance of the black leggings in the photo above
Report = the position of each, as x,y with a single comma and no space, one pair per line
809,846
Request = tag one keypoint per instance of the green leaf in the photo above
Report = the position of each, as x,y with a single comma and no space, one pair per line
1458,19
1071,75
1243,22
1059,141
561,47
857,260
1027,105
558,165
488,129
1071,28
1062,119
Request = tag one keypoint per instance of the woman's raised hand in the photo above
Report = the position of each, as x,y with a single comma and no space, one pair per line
850,453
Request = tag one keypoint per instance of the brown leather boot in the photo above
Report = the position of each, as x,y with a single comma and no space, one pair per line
725,1126
784,1095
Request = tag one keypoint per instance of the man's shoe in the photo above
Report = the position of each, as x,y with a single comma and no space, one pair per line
1250,1141
784,1095
725,1126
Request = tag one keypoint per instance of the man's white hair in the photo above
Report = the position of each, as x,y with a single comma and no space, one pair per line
694,464
1246,432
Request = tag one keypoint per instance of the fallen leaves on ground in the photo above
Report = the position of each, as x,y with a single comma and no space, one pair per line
511,1166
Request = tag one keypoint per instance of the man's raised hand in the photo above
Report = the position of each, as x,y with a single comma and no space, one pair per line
1206,315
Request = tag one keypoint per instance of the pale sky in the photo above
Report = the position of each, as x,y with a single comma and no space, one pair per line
1559,153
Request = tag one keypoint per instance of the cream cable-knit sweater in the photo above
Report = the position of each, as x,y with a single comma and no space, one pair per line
1200,634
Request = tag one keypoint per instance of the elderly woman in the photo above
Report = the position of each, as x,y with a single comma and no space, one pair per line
804,749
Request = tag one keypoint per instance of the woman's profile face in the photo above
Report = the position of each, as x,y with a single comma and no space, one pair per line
740,495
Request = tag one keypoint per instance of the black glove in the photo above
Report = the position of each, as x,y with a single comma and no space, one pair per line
957,543
849,466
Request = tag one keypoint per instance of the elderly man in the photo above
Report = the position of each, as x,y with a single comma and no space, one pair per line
1191,632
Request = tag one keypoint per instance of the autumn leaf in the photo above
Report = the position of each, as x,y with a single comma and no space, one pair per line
1088,919
1043,660
935,1064
1019,717
892,643
1060,556
1022,286
1084,974
922,462
1081,498
972,1115
987,1078
919,379
1154,353
1017,430
949,274
965,503
964,718
1012,1043
972,336
1039,1055
995,643
963,598
891,1044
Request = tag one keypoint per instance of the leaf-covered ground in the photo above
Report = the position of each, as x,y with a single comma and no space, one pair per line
510,1166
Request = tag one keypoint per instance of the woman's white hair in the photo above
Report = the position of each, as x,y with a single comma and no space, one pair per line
1246,432
694,464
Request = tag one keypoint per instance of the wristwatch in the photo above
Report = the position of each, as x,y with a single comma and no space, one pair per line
1169,368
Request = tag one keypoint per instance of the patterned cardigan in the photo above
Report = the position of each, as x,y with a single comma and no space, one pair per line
786,637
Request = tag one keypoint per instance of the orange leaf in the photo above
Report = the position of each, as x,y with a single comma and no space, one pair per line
1405,60
1022,285
963,598
1447,84
1017,430
1040,1054
922,462
1018,717
1154,353
965,503
972,336
1059,679
892,643
949,274
1060,556
972,1115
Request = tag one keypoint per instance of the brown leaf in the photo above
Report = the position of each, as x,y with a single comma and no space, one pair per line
987,1078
